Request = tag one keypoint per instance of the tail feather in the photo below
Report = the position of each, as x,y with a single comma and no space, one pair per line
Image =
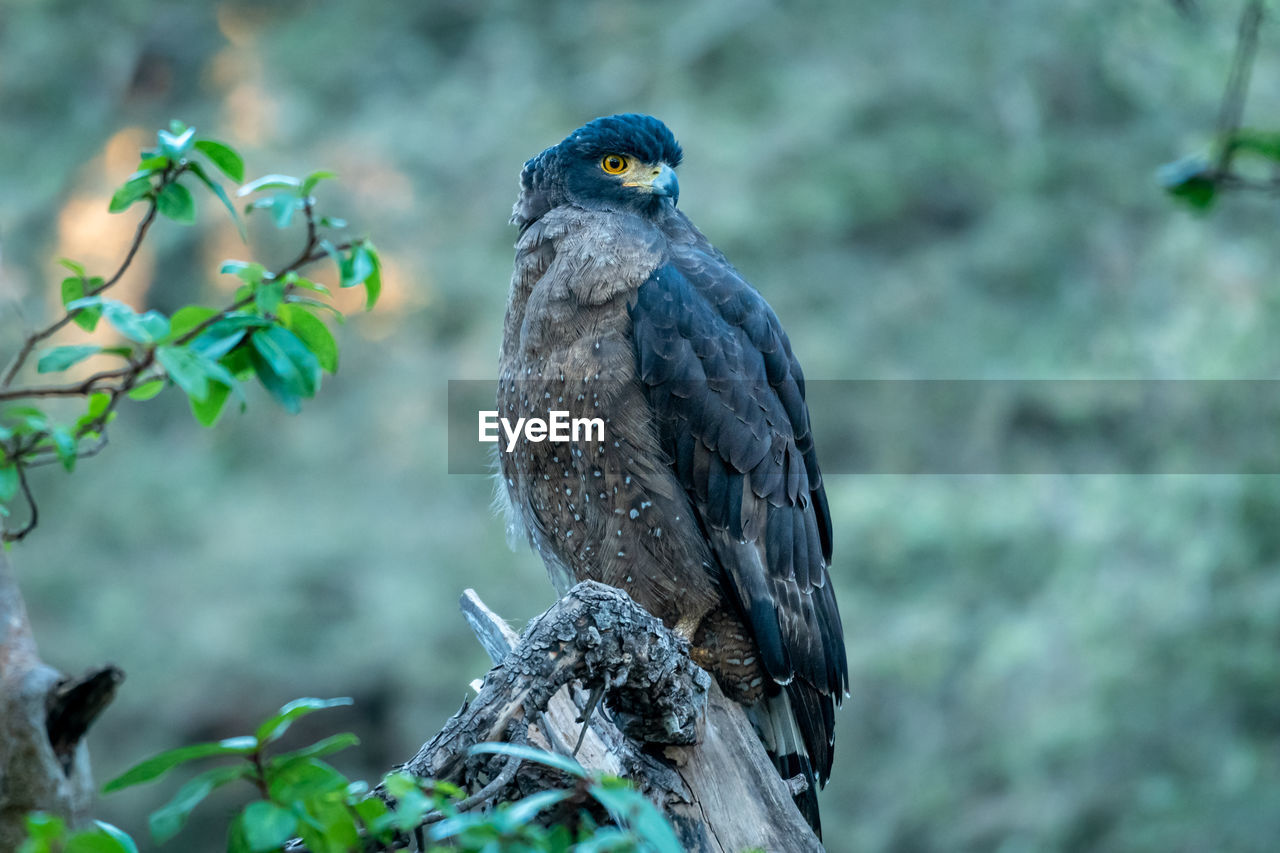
780,731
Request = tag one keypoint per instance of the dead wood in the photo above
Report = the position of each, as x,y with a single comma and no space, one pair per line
665,725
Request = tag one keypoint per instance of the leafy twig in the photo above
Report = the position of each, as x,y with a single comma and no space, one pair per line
140,234
268,329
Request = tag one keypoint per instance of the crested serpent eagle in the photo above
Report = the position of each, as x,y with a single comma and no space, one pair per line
704,500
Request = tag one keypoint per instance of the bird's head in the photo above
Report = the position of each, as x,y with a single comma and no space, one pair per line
621,162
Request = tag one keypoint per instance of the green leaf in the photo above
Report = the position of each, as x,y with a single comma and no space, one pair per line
240,362
327,746
184,368
304,780
87,318
268,296
225,334
272,728
373,283
60,358
87,309
228,161
168,820
529,753
126,843
1263,143
269,182
363,266
144,328
85,302
629,807
398,783
312,331
525,810
267,826
373,814
283,206
99,402
330,827
74,266
175,202
240,269
64,445
93,841
9,482
282,388
43,826
147,390
357,265
193,371
235,836
295,299
187,318
72,289
310,181
141,173
153,164
1190,179
27,420
332,222
129,193
206,411
289,359
158,765
308,284
216,189
175,147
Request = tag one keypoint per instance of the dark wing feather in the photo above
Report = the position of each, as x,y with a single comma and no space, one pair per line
728,396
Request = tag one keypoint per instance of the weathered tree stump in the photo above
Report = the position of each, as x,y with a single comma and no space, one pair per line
43,718
667,726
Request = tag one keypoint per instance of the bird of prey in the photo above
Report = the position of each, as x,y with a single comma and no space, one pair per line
704,501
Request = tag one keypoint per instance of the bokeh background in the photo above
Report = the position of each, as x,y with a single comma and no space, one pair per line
922,189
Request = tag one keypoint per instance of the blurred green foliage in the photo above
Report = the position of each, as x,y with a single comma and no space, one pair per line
300,796
922,190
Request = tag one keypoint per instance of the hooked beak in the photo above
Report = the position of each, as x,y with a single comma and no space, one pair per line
661,182
665,183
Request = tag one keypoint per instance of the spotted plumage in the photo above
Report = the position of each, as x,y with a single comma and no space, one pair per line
704,501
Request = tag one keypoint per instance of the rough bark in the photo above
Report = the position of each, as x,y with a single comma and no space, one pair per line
667,726
43,718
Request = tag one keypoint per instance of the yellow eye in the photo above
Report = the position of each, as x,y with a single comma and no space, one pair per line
614,164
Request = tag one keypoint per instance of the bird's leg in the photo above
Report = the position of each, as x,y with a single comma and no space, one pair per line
593,699
687,629
687,626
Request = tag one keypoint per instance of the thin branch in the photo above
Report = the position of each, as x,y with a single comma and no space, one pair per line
1232,110
138,236
47,457
1232,181
308,256
308,211
79,389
